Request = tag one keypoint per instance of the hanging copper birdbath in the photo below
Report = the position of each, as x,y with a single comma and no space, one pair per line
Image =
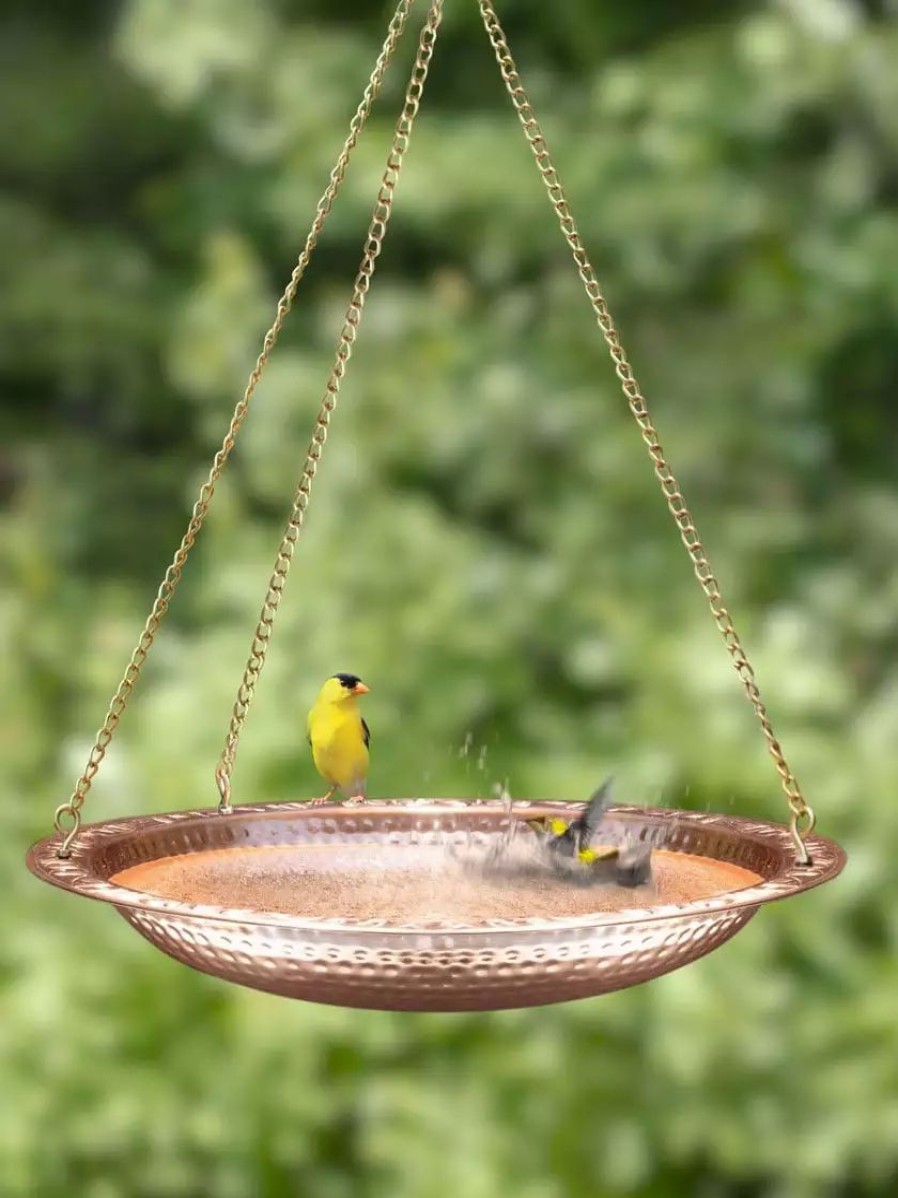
230,894
365,906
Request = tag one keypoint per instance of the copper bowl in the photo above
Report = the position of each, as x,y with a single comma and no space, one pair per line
418,963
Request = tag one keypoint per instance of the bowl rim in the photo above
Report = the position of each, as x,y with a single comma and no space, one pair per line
78,873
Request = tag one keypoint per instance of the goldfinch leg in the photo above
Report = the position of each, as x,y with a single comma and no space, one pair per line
325,799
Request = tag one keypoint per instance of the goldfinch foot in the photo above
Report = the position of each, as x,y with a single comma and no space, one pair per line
356,801
328,798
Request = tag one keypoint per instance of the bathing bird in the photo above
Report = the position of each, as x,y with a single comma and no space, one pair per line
339,738
572,838
567,847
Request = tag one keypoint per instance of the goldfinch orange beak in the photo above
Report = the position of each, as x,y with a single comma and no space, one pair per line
360,689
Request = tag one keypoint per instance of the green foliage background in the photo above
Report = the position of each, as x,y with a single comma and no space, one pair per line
486,547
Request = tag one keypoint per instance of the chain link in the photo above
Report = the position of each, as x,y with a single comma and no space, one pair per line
373,245
68,816
802,816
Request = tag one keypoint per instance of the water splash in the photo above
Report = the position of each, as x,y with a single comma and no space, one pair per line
467,745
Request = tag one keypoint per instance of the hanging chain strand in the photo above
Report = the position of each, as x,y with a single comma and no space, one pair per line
68,815
802,816
373,245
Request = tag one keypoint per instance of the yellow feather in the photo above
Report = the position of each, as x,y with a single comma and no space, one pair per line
590,855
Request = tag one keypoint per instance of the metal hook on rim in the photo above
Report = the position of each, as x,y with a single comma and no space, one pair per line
223,782
65,849
799,834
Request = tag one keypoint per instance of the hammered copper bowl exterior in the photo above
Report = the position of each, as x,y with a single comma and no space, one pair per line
437,967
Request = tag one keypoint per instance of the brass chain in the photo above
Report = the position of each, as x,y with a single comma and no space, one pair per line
68,815
373,245
802,816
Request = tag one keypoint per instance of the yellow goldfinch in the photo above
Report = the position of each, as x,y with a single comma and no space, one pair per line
340,737
572,839
568,846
